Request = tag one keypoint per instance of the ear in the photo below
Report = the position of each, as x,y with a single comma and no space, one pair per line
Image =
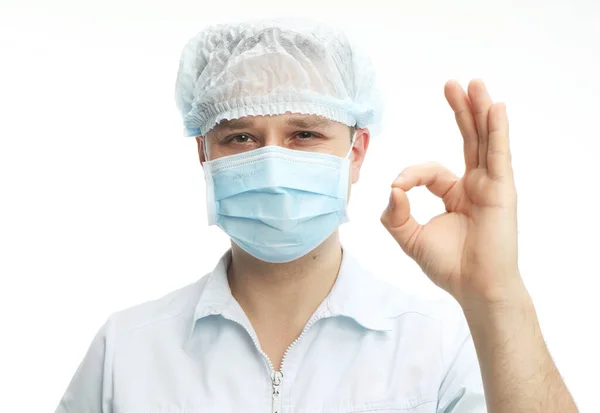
200,141
359,150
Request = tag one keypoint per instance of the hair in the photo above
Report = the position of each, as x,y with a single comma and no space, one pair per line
352,130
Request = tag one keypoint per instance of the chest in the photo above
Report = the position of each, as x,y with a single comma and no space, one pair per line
334,368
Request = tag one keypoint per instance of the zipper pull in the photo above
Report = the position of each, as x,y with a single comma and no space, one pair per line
276,378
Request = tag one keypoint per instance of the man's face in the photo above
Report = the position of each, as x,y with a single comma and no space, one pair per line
293,131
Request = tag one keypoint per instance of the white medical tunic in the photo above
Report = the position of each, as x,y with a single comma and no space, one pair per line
369,347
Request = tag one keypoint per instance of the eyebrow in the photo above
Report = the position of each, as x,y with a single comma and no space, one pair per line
234,124
310,123
301,123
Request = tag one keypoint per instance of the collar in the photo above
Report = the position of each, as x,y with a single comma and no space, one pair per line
356,294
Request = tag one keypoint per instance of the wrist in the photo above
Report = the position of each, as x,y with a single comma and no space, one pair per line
510,301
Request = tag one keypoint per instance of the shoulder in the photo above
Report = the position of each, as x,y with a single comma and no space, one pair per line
371,295
398,302
171,307
419,317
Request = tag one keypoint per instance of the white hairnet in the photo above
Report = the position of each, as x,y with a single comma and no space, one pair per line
269,67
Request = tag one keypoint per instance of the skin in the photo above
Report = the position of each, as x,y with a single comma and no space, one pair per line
285,295
470,250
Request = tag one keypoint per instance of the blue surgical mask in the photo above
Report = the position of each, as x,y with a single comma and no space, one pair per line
277,204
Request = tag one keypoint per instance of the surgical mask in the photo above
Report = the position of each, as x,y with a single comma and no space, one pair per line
278,204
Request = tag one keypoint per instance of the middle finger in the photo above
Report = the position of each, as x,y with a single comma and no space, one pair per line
481,103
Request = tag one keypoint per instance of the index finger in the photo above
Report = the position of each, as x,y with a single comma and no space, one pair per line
435,177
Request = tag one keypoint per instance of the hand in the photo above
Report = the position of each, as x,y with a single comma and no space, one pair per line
471,249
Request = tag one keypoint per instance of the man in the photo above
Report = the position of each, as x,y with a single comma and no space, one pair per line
287,321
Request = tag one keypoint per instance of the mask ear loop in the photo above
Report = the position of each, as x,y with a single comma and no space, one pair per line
204,149
351,146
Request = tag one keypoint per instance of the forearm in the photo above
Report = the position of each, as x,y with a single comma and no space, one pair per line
517,370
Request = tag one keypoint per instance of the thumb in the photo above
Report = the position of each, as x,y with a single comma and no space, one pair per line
397,220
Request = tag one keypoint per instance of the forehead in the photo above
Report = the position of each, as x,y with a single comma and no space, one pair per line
295,120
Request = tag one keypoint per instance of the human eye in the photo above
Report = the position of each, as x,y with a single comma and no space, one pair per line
305,135
240,139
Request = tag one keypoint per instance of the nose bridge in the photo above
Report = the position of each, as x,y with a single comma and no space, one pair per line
274,136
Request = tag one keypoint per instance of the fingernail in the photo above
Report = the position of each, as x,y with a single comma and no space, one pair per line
391,203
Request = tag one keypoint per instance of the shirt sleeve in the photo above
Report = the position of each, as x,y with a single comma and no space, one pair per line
461,390
90,389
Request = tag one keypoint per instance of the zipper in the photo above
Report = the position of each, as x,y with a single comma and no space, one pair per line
276,379
308,325
277,375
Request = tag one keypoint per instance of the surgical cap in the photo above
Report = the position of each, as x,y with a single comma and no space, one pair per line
270,67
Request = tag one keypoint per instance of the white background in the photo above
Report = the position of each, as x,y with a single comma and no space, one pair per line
102,198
